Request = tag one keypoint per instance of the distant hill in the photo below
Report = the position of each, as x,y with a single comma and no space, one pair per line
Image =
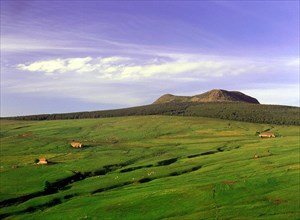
215,95
238,111
213,104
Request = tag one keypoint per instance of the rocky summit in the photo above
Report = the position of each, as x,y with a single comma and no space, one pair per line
215,95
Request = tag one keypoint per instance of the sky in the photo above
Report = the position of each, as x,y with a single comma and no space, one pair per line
69,56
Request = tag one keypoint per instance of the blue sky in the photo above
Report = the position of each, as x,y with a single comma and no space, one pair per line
67,56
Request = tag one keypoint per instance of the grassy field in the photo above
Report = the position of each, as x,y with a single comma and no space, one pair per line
149,167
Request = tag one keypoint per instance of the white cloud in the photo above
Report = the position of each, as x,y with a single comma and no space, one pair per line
77,63
114,59
120,68
120,79
48,66
58,65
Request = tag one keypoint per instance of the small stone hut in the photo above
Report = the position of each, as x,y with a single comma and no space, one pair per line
268,135
42,160
76,144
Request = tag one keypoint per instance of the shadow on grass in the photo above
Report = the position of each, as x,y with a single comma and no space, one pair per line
64,184
31,209
160,163
146,180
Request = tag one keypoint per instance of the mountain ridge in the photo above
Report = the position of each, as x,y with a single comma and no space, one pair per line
214,106
215,95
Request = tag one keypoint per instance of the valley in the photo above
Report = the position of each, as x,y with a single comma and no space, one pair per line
159,167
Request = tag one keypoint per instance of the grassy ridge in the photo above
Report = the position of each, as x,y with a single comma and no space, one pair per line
270,114
157,167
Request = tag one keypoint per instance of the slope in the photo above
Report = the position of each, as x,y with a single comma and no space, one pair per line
272,114
215,95
157,167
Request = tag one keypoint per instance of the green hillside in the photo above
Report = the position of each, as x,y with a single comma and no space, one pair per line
149,167
270,114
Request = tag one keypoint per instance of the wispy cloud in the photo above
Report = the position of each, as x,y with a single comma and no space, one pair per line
117,79
58,65
190,66
103,52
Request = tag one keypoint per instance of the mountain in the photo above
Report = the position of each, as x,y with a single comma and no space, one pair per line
238,111
215,95
213,104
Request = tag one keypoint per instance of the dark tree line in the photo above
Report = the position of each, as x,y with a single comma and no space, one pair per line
270,114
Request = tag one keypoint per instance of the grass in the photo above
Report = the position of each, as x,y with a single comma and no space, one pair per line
149,167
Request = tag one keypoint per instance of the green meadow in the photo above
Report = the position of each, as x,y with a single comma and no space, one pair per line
149,167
